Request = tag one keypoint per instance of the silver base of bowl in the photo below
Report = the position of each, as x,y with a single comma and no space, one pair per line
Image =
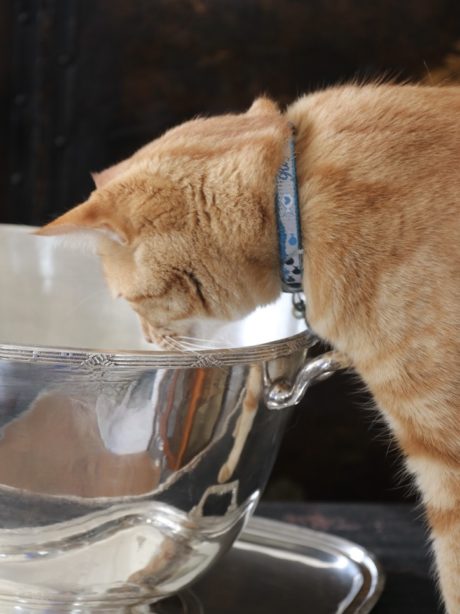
184,603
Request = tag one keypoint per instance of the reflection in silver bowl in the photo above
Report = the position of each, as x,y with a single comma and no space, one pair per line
124,472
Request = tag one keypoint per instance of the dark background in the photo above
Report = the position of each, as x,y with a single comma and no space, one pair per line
83,83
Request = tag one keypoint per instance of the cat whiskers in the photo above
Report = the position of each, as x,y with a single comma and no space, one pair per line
202,344
169,343
175,343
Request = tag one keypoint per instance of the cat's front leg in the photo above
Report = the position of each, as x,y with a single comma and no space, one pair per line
439,483
419,398
431,443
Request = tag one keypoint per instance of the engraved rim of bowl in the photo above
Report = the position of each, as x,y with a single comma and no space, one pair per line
93,359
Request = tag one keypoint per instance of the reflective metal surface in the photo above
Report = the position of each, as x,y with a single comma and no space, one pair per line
282,394
275,567
124,472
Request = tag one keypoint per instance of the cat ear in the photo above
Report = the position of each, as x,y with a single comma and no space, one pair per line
103,177
95,215
263,106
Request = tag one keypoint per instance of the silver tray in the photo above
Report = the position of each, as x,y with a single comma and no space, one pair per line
276,567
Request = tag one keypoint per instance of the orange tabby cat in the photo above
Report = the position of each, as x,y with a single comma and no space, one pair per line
188,232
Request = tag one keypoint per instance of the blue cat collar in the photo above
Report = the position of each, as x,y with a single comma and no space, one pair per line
288,222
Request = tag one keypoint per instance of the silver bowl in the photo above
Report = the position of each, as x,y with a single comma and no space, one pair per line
126,472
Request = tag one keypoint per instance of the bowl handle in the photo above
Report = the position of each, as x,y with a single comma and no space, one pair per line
282,394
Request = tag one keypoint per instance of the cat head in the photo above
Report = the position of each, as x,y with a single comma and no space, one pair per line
186,226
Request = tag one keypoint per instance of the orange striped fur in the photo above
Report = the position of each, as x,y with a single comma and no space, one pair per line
192,215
